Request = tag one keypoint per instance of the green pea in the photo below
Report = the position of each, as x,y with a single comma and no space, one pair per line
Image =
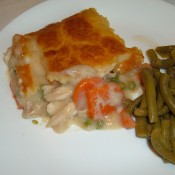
87,122
116,78
122,85
132,85
35,122
99,124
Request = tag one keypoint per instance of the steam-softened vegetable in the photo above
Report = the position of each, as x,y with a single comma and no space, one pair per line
150,90
155,114
161,63
166,93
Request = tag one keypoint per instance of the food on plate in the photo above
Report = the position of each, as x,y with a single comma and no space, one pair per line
162,63
155,111
78,71
75,71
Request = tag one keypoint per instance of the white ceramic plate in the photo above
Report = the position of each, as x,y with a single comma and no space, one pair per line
29,149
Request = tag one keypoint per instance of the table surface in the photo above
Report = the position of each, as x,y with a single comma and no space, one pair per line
10,9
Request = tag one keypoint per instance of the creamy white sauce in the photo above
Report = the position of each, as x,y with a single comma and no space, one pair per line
57,100
131,77
74,74
60,103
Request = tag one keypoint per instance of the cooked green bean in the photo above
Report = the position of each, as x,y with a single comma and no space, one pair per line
169,62
140,112
172,83
172,53
164,110
159,147
127,102
172,132
156,72
141,127
151,127
155,116
156,125
130,108
171,72
150,89
165,49
152,55
143,103
166,93
160,100
172,91
156,62
165,133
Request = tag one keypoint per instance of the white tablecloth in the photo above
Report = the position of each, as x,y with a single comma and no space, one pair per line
9,9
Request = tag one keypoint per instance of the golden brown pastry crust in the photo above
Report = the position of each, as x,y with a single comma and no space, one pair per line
24,74
82,39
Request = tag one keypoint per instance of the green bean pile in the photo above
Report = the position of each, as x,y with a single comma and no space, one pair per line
154,111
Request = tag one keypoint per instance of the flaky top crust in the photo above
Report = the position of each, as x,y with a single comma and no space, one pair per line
84,38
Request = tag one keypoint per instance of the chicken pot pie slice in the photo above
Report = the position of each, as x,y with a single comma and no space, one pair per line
47,66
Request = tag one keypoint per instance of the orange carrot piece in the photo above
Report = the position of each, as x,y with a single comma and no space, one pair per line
85,85
96,92
107,109
127,120
96,101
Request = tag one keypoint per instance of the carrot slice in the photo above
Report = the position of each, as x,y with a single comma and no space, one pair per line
99,96
97,102
92,107
82,87
127,120
107,109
